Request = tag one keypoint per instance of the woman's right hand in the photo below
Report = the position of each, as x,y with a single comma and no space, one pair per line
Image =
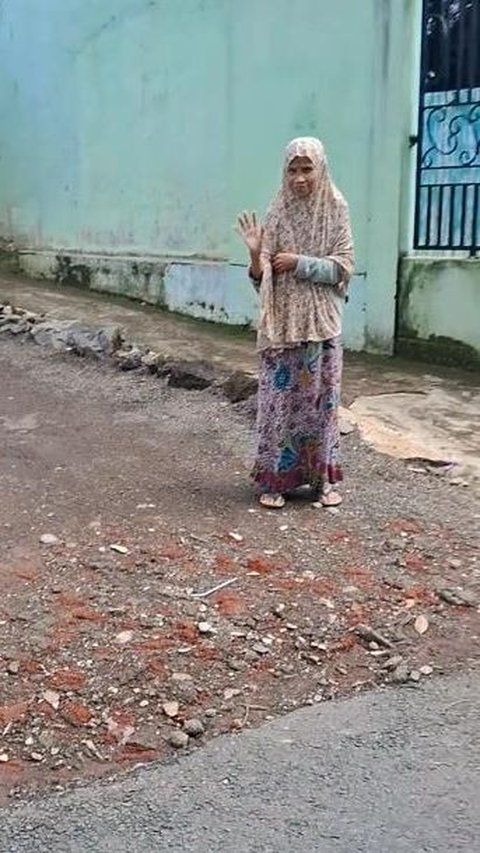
251,233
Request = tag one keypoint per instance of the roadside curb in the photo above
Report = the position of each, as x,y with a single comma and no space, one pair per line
108,344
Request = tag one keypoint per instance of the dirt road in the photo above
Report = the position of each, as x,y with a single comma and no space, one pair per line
122,500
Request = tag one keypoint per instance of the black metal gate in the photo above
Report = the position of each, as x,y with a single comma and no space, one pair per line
447,202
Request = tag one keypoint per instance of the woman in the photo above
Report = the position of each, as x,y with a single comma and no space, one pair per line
301,261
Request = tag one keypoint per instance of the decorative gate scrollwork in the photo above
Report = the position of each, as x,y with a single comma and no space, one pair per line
448,160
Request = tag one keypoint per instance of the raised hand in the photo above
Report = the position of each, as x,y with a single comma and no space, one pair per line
251,232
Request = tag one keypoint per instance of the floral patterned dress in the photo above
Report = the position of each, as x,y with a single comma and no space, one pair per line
297,421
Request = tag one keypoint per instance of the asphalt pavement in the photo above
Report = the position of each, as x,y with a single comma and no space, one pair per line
392,771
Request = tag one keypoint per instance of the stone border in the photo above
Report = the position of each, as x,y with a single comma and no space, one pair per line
108,344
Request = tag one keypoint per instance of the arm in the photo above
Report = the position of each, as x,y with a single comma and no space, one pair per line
255,270
336,269
317,270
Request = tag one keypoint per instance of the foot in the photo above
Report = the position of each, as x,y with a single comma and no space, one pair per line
272,501
331,498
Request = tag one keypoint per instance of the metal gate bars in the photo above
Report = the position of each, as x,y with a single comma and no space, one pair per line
447,201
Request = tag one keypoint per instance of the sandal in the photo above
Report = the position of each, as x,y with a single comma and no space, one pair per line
330,497
272,501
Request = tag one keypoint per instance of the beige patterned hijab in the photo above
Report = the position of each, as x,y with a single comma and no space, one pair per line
294,311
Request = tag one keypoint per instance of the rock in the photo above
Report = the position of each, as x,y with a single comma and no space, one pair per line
146,738
4,758
236,665
52,698
178,739
51,334
14,325
365,632
153,361
400,674
16,316
421,624
122,731
393,662
49,539
261,649
123,638
205,628
36,756
251,656
346,426
171,709
396,543
95,342
130,359
314,659
194,728
458,597
119,549
92,749
240,386
181,676
77,337
185,692
192,375
11,318
13,667
230,693
415,675
237,537
426,670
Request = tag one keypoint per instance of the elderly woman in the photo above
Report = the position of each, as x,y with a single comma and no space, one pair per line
301,261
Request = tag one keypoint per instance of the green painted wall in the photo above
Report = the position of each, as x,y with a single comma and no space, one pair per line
142,126
439,310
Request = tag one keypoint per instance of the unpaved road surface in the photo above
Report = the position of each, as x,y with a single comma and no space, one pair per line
122,500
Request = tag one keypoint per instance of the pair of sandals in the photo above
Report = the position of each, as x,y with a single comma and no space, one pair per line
329,497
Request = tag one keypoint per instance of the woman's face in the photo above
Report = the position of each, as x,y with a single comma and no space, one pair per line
301,177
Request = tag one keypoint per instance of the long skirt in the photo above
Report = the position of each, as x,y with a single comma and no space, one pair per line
297,420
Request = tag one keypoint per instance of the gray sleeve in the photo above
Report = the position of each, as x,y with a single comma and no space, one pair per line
317,270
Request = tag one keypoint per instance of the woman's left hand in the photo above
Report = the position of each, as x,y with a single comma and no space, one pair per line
284,262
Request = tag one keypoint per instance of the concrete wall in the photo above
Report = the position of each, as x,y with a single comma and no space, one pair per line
439,310
134,130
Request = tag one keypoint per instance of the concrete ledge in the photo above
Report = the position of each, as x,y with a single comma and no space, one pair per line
439,310
207,290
